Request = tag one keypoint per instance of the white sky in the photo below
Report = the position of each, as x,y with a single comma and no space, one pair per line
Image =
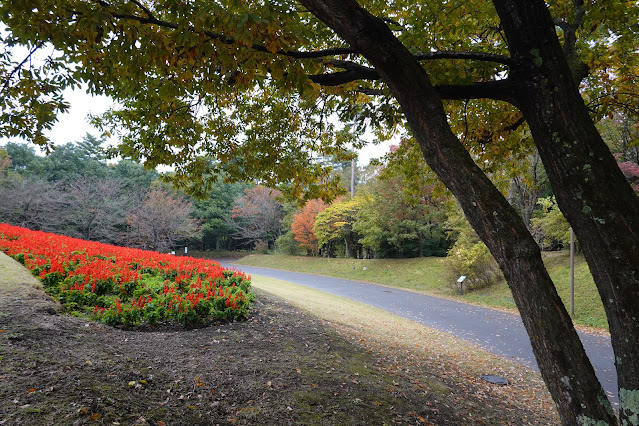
72,126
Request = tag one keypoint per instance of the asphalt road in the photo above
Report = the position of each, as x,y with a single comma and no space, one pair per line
496,331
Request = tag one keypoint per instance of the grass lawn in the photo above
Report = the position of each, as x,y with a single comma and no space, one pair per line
426,275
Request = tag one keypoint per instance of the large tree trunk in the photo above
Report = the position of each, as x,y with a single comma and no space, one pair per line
590,189
560,355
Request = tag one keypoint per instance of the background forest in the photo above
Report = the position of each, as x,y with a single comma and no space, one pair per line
74,191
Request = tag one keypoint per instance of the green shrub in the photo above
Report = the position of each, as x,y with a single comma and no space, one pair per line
468,256
473,260
286,244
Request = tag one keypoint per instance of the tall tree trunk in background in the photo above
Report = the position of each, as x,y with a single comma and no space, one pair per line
524,195
560,355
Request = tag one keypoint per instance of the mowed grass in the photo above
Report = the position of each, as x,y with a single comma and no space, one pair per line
427,275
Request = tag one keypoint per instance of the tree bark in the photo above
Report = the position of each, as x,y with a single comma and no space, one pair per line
560,355
591,191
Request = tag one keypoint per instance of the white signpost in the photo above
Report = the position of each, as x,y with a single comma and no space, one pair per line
460,280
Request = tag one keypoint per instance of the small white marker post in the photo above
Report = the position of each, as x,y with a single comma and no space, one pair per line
186,250
460,280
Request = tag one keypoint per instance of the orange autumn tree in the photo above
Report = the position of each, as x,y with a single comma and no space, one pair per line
303,223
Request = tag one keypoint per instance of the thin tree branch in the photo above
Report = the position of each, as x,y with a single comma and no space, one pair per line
353,72
516,125
393,22
229,40
141,6
570,29
18,67
370,92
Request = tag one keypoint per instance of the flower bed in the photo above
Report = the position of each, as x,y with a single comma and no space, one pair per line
124,286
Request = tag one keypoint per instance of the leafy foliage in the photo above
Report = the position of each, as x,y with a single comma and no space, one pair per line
630,170
469,256
399,219
550,227
303,224
287,244
30,97
214,212
334,228
5,162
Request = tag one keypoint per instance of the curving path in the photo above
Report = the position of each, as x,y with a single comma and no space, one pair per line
496,331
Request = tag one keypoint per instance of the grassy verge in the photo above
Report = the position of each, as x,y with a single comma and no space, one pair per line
217,254
426,275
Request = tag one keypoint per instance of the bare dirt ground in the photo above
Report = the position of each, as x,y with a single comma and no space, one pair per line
279,367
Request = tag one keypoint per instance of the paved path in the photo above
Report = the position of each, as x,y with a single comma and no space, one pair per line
498,332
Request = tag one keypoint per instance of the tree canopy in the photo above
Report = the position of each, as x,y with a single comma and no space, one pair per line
268,89
256,84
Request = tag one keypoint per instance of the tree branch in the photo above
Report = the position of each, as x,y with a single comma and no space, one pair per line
500,90
578,68
516,125
370,92
353,72
503,90
18,67
393,22
477,56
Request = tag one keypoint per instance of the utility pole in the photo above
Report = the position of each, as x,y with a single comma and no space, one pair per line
352,178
